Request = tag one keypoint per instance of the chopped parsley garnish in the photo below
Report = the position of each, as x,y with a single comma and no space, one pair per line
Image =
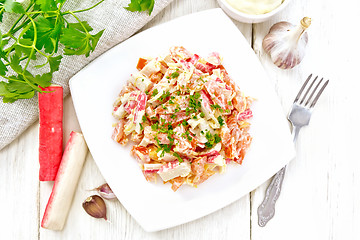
221,121
165,95
144,118
178,157
197,95
166,128
155,126
184,123
229,103
155,92
202,114
175,74
194,103
212,139
215,106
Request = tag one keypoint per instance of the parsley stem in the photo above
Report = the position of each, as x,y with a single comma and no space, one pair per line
13,79
33,45
21,59
82,25
17,21
24,24
1,10
26,80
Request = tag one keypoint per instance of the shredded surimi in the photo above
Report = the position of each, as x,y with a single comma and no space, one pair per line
187,116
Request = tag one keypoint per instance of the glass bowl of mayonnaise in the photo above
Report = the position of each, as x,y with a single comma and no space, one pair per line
252,11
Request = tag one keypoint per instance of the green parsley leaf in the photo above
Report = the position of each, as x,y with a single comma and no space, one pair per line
15,63
215,106
212,139
12,6
81,26
18,87
164,96
54,63
221,121
48,33
3,69
78,42
46,5
43,80
217,138
141,5
175,74
155,126
155,92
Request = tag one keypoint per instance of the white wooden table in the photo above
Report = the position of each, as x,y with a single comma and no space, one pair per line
321,191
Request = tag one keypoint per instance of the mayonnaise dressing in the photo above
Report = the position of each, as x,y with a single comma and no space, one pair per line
255,6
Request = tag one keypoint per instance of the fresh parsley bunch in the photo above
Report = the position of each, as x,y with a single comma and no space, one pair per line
35,37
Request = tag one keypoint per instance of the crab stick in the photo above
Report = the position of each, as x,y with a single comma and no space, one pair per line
50,131
65,184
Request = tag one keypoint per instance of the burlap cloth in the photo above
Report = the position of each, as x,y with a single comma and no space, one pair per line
119,24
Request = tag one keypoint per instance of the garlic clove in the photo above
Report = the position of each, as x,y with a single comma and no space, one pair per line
106,192
95,207
286,43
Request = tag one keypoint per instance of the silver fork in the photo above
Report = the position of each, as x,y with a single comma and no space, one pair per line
299,117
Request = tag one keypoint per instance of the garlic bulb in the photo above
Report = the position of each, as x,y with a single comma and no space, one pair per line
286,43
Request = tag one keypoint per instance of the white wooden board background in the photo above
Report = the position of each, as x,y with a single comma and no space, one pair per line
321,195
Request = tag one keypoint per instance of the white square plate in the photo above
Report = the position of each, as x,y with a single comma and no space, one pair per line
156,206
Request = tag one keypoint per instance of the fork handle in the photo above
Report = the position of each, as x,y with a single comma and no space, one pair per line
266,210
295,133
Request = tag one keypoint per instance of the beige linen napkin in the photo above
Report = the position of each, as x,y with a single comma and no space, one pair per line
119,24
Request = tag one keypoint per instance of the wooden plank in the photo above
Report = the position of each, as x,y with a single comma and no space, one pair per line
228,223
318,200
19,178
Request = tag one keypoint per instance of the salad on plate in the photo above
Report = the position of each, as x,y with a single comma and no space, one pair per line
187,117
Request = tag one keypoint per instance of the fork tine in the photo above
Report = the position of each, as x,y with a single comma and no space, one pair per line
302,88
319,93
308,90
313,92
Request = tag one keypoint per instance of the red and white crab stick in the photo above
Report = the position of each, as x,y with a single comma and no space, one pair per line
62,194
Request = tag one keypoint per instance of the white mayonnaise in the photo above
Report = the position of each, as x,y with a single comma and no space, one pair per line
255,6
